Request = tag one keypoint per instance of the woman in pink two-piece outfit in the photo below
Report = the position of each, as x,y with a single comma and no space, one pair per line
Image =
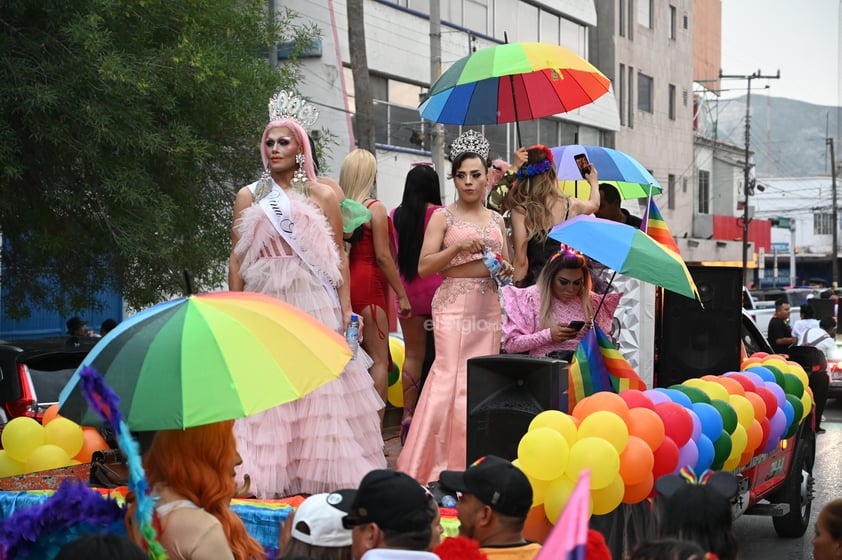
286,236
466,312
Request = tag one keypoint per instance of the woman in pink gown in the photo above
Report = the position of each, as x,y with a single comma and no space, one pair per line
466,312
286,236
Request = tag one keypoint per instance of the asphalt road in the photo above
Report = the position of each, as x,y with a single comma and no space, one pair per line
756,535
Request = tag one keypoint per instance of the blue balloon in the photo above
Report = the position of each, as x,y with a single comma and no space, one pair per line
677,397
764,373
789,412
706,453
710,418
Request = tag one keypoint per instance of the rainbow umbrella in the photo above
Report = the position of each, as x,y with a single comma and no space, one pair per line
207,358
628,251
513,82
621,170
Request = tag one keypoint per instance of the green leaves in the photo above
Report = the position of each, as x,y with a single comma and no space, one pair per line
127,126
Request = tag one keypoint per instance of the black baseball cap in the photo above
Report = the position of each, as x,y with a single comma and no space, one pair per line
391,499
496,482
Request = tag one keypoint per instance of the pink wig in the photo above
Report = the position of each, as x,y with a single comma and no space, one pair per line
303,142
495,172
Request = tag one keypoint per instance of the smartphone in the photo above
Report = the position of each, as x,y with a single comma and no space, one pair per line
576,325
583,164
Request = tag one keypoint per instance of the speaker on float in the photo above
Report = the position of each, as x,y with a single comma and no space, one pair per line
504,393
699,340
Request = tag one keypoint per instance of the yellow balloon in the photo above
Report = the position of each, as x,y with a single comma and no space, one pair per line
397,350
807,401
744,409
731,463
558,421
695,382
605,425
21,437
595,454
543,454
715,390
65,433
539,487
605,500
8,466
558,492
394,395
46,457
739,440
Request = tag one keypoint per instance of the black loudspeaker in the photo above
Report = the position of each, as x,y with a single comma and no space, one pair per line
504,393
696,340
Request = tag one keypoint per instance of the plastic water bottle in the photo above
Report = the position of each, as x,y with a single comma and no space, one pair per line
494,262
448,501
352,334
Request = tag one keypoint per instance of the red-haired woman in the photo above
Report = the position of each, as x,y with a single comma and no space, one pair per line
191,472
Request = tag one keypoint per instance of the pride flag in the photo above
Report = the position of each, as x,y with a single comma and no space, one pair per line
568,539
598,366
655,226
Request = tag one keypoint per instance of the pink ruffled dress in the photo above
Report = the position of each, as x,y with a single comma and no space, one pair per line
522,329
330,438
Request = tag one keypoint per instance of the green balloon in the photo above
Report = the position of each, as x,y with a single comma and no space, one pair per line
798,407
394,374
729,415
693,393
793,386
779,375
721,450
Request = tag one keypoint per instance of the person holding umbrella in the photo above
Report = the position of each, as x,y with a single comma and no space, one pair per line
537,205
286,243
466,311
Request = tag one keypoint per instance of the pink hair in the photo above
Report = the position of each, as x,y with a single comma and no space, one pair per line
495,172
303,142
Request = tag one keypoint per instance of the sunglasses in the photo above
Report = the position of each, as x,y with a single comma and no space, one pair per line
566,282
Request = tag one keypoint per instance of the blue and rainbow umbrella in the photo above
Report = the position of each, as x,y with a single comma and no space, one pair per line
620,169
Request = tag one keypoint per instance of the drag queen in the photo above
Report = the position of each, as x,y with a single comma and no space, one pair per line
466,312
286,235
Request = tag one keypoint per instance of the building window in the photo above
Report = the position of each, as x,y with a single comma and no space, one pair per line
621,13
644,92
686,21
630,89
644,13
671,98
671,191
673,23
630,18
621,92
822,223
704,191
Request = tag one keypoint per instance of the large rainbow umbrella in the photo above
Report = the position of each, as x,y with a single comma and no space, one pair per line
513,82
617,168
207,358
628,251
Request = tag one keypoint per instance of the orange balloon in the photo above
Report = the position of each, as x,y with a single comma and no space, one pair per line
648,426
603,400
748,362
638,492
636,462
537,527
755,436
758,404
731,385
50,414
93,442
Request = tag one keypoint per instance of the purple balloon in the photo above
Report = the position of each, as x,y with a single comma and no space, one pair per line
656,396
756,379
765,373
777,427
776,389
697,424
706,453
688,455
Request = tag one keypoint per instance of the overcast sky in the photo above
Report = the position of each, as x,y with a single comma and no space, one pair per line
799,37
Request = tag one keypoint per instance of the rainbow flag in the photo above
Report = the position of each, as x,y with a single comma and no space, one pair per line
598,366
569,537
655,226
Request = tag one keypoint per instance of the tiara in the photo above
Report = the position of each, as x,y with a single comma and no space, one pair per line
472,142
286,105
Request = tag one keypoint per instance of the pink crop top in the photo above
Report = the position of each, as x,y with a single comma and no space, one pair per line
459,229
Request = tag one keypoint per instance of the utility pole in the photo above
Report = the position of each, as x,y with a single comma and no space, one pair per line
437,136
746,163
834,279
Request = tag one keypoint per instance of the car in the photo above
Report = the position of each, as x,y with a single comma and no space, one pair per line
33,373
834,371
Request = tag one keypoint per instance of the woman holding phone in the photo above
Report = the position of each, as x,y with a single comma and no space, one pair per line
553,315
537,204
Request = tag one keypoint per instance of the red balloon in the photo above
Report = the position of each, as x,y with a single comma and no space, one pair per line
766,426
747,383
769,400
637,399
678,424
666,458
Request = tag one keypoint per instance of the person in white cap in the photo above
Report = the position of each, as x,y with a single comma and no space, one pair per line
315,529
